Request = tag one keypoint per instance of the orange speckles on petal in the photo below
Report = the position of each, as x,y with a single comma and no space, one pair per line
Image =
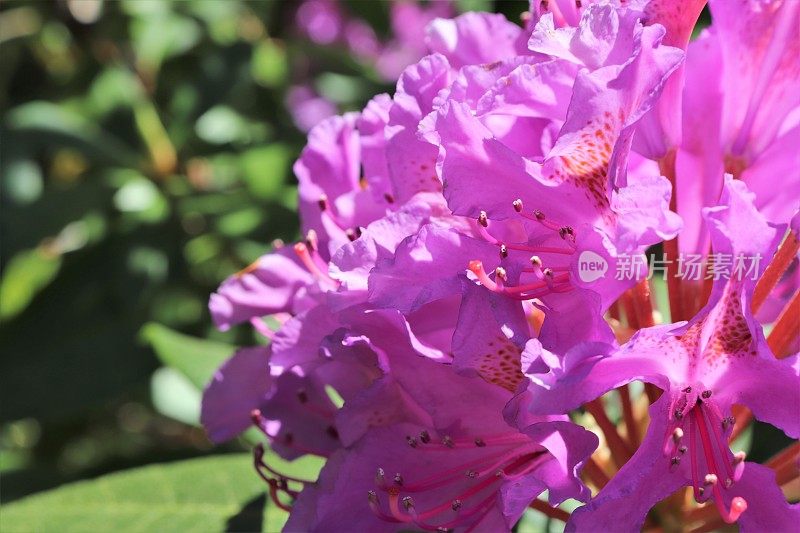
500,365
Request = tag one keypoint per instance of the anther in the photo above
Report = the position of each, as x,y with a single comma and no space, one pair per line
353,233
700,491
687,390
682,449
408,502
447,441
398,479
411,441
678,414
566,231
727,422
675,461
332,432
535,261
456,505
312,240
302,395
706,394
500,272
738,457
323,202
710,479
677,435
538,214
479,442
548,272
380,478
277,244
517,205
388,197
442,529
472,474
372,496
424,436
503,251
483,219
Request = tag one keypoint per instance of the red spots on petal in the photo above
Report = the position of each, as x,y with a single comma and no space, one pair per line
500,365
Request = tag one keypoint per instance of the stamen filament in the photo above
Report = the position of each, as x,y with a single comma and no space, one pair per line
738,504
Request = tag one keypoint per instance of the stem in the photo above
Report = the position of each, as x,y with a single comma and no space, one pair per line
785,464
627,413
552,512
786,329
743,417
619,448
776,268
595,473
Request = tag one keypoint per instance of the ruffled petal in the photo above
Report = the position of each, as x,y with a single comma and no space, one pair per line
474,38
275,283
645,480
240,385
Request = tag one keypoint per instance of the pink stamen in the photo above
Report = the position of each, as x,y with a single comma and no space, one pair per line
738,504
476,267
308,261
539,249
262,328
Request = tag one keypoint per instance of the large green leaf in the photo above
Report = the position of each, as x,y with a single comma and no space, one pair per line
197,359
218,493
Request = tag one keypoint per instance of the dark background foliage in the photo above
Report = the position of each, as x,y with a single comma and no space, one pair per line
146,153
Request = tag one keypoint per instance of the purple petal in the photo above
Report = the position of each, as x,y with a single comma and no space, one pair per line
240,385
645,480
275,283
474,38
767,508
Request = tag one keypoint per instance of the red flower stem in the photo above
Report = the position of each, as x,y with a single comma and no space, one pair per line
620,451
627,414
595,473
786,329
552,512
780,262
743,417
785,464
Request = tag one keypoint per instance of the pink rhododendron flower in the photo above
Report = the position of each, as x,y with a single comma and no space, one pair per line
459,293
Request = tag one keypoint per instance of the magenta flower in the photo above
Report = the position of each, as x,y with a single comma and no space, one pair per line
491,204
450,462
533,230
717,359
741,112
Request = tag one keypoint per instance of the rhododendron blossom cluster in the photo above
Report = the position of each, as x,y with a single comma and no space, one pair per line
449,333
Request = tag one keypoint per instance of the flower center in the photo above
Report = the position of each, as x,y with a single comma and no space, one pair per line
540,280
459,495
714,467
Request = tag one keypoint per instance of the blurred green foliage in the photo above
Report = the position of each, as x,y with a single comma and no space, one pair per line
146,153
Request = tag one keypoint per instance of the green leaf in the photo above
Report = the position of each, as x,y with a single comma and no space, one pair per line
24,276
59,124
265,169
215,493
195,358
173,395
269,66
